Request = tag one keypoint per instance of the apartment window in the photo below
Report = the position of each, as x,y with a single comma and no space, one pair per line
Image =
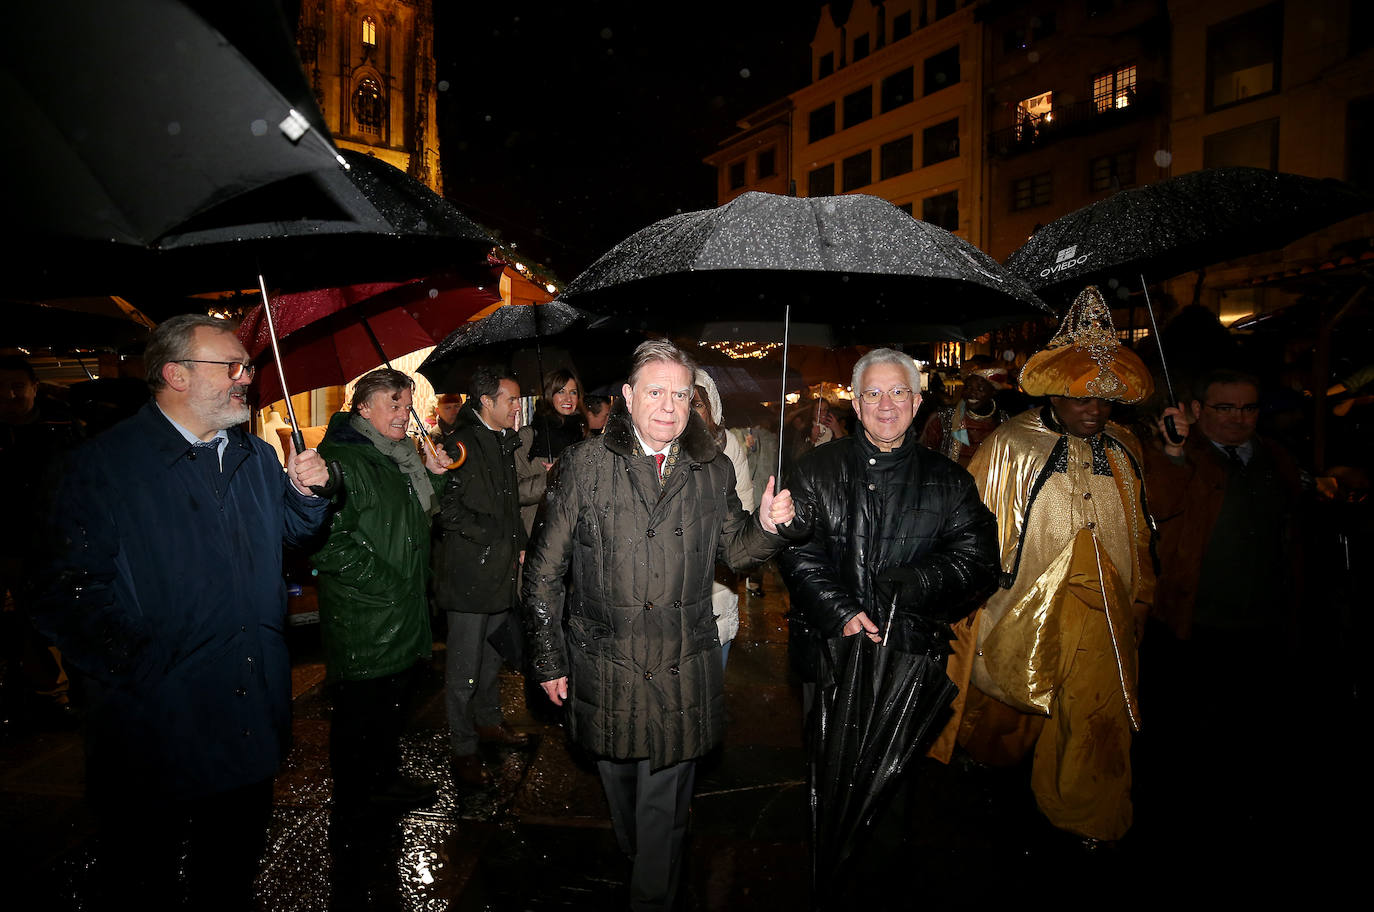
367,106
898,89
858,106
826,65
1029,192
861,46
901,27
736,172
896,157
370,32
942,210
1114,88
940,142
1112,172
1243,57
821,122
821,182
944,8
857,171
1254,145
766,163
941,71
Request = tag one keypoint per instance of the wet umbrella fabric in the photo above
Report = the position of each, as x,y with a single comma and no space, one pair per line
876,706
855,263
110,163
1177,225
330,336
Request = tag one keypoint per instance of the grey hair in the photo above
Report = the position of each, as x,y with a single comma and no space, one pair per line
174,340
659,350
382,380
887,356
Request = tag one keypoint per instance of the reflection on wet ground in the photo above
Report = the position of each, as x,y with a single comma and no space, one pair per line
539,838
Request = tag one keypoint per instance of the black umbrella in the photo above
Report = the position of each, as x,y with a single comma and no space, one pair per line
856,263
1177,225
139,115
530,340
875,707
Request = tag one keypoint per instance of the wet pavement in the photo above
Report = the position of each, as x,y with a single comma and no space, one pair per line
540,838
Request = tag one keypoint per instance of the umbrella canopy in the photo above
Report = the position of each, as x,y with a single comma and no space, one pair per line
876,705
1181,224
531,341
111,164
855,263
329,336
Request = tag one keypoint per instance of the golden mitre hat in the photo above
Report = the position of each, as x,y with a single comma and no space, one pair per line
1085,360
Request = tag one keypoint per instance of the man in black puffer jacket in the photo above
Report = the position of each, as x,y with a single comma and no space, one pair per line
889,518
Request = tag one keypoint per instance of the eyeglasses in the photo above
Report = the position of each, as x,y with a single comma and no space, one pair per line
237,369
1248,411
897,394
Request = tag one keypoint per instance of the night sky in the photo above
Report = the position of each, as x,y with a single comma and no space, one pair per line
565,127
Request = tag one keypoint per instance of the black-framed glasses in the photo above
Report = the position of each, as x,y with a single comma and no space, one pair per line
237,369
1249,410
897,394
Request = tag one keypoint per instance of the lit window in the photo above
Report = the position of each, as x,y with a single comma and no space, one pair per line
1244,54
367,106
1114,89
370,32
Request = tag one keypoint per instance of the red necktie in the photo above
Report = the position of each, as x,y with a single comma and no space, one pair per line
658,458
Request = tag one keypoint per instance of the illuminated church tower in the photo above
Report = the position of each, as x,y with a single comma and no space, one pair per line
371,63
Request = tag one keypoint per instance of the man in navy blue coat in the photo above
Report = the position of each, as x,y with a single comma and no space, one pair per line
165,594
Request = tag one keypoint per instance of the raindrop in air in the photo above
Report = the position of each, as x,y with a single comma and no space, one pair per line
487,118
174,128
258,127
1033,56
1163,157
606,33
744,73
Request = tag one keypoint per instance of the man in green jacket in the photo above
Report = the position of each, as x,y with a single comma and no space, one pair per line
374,615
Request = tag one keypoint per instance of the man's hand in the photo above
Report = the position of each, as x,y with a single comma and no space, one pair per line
860,622
1181,425
305,470
557,689
436,460
775,509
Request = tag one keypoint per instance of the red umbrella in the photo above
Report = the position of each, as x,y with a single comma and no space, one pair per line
332,335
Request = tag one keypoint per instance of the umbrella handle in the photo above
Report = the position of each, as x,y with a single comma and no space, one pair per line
330,487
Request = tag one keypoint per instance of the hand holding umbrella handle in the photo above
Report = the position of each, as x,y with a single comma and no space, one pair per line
433,450
1171,431
330,487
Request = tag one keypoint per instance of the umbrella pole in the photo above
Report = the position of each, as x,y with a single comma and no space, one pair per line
297,438
782,399
1170,429
419,423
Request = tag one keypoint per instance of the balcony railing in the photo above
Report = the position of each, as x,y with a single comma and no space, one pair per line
1071,120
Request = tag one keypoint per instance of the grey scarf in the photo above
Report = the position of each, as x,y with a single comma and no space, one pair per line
403,453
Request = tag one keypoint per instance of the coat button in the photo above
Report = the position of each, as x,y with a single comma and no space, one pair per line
1086,464
650,533
872,487
648,675
1092,525
872,460
241,692
677,531
673,669
648,606
677,604
1087,495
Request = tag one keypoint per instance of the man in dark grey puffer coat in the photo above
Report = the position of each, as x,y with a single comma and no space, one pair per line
639,665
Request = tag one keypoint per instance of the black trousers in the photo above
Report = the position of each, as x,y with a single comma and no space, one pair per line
650,812
365,733
149,846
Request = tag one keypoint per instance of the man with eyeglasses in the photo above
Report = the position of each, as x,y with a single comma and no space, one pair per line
890,520
1226,500
164,592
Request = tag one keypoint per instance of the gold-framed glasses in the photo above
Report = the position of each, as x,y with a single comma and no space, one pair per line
237,369
897,394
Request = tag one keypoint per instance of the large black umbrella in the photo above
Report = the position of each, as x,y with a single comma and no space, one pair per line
856,263
138,115
876,705
1181,224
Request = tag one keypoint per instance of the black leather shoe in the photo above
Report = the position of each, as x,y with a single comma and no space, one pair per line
403,791
502,734
468,769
